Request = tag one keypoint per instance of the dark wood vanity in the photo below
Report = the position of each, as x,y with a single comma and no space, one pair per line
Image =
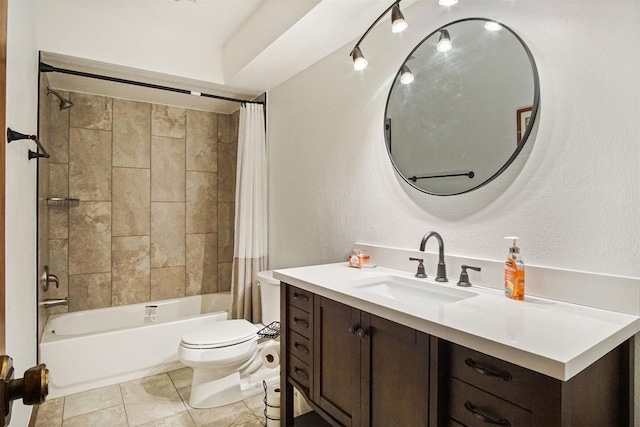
358,369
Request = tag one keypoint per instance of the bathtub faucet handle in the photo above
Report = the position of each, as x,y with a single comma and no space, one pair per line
52,302
49,278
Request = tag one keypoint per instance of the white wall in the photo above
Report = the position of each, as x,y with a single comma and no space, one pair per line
572,195
22,113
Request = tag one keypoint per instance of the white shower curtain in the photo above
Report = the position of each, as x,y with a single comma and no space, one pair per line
250,243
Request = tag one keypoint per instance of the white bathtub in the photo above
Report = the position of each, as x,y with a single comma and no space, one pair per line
95,348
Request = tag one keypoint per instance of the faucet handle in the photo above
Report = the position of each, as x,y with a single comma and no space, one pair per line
421,273
464,276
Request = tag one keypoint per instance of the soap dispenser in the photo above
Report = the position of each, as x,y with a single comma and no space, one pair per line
514,272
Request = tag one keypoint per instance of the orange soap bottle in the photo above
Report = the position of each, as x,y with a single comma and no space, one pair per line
514,272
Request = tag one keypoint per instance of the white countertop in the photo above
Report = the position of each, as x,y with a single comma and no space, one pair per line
551,337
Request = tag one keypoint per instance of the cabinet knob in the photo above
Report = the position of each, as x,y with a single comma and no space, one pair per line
361,333
351,329
484,418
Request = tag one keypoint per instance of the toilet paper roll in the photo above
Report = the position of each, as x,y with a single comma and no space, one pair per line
271,355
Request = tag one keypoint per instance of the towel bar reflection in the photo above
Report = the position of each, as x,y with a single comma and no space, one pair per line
470,174
12,135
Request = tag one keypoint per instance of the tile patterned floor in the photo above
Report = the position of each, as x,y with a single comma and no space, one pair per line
157,401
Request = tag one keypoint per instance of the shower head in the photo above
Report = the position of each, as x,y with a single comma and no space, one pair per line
64,103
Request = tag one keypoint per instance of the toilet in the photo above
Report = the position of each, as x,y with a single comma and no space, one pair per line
226,356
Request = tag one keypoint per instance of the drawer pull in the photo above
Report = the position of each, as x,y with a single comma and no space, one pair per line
302,297
301,347
301,373
485,419
302,322
482,370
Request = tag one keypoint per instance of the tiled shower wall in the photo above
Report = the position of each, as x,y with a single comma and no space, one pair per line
156,186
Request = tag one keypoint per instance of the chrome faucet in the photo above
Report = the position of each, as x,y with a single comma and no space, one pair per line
442,268
52,302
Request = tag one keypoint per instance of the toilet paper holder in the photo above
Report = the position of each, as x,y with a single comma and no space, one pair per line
272,330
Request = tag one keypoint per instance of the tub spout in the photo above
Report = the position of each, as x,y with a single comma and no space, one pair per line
52,302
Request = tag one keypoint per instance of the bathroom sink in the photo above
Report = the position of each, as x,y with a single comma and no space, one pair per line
414,292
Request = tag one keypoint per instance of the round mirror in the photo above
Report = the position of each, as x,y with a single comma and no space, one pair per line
461,107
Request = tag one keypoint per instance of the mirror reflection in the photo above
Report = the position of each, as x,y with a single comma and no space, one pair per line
461,107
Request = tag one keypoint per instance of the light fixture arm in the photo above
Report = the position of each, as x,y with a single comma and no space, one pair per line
373,25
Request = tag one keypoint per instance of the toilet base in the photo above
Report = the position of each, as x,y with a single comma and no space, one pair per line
208,392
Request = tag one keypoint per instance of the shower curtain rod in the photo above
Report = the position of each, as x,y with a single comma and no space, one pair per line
46,68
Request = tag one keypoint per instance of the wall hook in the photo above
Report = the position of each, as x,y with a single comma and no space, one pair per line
12,135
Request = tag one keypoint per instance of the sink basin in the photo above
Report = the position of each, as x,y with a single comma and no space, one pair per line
414,292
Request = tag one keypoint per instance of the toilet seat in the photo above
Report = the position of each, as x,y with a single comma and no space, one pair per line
220,334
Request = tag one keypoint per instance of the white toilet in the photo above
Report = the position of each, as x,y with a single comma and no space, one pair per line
226,356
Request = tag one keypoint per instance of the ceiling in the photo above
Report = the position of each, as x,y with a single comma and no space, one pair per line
233,48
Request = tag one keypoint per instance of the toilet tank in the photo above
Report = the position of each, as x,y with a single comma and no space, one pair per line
269,297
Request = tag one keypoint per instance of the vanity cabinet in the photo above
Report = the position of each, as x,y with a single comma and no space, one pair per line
359,369
479,390
363,370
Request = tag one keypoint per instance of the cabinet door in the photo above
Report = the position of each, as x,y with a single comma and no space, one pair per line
337,360
395,374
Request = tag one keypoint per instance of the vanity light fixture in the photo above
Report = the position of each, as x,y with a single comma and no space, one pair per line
398,24
444,42
447,2
492,26
406,76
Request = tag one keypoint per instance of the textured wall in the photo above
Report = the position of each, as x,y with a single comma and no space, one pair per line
156,186
573,195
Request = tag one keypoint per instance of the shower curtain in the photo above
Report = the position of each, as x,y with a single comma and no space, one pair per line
250,243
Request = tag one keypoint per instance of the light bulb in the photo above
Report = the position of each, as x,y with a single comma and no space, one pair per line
492,26
447,2
406,76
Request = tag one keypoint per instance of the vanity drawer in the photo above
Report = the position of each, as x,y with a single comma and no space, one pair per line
300,373
300,347
300,321
473,407
501,378
300,298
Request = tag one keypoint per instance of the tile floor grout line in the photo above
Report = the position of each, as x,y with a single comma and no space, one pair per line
124,407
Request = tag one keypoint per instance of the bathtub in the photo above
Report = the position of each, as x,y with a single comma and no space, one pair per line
94,348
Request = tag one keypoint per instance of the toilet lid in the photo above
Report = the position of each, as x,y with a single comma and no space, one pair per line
221,334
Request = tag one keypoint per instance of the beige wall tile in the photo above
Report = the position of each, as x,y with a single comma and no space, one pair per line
59,266
90,111
57,123
131,134
168,121
167,169
226,227
58,180
227,128
88,291
227,154
202,141
58,222
201,202
167,282
131,202
224,276
167,234
90,164
131,269
202,264
90,238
